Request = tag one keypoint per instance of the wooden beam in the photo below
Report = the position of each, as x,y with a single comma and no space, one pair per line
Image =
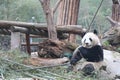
4,23
19,29
74,29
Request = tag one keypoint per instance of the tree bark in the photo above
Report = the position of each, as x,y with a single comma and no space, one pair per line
49,17
116,11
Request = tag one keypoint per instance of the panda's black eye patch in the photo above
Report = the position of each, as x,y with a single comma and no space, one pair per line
90,39
84,40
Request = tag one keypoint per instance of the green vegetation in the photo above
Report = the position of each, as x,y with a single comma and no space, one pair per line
87,11
22,10
12,67
106,43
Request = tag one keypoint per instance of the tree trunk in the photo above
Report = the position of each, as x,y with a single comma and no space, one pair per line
116,11
49,17
68,14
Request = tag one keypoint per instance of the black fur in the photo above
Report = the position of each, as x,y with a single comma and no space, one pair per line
95,32
94,54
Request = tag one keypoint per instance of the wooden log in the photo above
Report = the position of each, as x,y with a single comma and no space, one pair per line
8,24
66,28
74,29
19,29
29,31
45,62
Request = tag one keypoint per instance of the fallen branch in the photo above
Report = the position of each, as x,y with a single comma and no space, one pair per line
43,67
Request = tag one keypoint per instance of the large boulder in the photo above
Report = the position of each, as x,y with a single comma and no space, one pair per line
112,60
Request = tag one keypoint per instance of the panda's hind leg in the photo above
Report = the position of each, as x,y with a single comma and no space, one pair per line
88,69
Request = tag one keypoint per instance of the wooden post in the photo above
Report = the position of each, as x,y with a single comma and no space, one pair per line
15,40
28,44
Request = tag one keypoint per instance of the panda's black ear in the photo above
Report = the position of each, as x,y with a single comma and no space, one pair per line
83,34
95,32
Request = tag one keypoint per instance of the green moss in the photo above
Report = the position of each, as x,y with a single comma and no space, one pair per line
106,43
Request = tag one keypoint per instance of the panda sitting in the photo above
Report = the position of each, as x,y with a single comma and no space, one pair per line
90,50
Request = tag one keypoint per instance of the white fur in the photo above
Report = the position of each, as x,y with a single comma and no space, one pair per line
94,37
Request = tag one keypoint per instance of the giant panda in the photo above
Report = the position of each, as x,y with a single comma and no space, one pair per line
91,49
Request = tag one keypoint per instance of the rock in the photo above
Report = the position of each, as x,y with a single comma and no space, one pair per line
112,60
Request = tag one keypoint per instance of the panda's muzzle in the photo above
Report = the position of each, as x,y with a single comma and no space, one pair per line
87,44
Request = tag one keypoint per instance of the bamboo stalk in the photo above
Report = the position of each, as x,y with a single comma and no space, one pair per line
37,69
33,76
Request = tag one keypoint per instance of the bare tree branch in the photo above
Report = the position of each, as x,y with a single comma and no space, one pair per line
113,23
56,6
